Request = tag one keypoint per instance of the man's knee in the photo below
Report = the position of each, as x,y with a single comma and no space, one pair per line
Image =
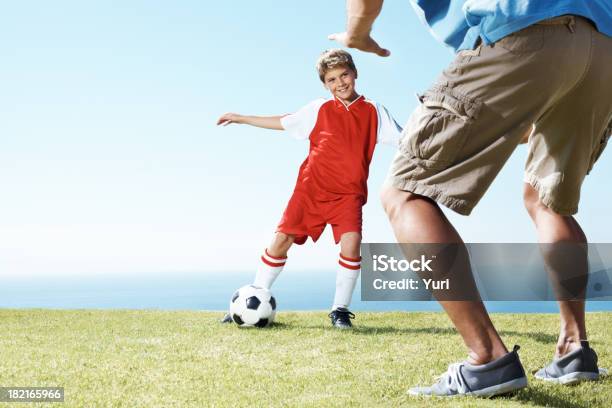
531,200
534,205
392,199
387,196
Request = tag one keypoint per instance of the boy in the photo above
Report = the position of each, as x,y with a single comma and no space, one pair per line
332,183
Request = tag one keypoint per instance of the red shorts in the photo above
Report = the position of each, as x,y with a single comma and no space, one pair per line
307,217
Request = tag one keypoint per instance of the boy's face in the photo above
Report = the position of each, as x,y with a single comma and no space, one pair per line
340,81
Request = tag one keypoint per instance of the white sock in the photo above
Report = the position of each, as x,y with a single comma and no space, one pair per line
269,269
346,280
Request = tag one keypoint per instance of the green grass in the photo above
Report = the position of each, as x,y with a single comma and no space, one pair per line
164,359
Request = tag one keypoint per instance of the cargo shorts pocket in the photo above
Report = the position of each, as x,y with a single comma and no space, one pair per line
438,128
601,146
527,40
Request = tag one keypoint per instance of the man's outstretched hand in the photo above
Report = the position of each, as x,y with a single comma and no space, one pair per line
364,43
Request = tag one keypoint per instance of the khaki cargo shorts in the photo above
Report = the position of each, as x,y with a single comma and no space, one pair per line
551,82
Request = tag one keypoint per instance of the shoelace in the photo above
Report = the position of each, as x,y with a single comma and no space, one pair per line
453,379
336,314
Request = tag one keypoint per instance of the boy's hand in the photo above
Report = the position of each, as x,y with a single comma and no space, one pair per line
266,122
364,43
228,118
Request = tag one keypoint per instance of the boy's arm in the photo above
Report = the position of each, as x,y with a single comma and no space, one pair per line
298,124
360,17
266,122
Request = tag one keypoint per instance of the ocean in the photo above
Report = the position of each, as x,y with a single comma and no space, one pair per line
209,291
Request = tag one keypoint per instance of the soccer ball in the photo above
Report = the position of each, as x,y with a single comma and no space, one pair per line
252,306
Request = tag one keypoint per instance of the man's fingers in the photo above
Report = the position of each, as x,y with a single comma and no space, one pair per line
374,49
383,52
365,44
378,50
339,37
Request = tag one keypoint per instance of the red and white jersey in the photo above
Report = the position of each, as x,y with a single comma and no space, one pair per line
342,141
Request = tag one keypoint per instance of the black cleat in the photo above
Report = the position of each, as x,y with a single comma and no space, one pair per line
226,319
341,318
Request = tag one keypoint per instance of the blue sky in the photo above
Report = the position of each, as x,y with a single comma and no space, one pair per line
110,160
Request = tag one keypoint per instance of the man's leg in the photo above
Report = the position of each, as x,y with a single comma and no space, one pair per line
554,228
417,219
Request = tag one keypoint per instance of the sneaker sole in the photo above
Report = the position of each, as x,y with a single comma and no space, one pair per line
503,388
572,378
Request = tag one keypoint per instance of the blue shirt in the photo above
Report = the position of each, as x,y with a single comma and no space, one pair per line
460,23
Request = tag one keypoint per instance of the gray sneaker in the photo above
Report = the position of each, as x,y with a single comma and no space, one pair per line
506,374
579,365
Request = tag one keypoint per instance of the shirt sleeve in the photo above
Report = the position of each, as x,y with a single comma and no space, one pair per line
300,124
389,132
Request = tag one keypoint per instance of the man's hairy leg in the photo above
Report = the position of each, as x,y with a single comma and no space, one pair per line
417,219
553,228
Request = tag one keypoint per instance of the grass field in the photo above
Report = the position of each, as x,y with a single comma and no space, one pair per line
165,359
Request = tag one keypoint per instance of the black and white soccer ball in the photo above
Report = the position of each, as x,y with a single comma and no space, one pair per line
253,306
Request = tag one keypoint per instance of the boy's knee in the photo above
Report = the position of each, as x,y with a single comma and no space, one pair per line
282,238
280,244
350,245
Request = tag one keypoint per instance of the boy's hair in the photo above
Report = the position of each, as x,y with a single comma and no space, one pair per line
334,58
